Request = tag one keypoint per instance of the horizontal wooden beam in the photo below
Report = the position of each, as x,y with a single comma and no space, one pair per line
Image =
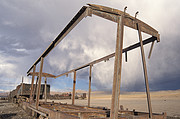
129,21
43,74
104,12
151,39
39,112
76,19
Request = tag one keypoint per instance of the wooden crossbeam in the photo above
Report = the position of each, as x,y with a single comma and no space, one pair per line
104,12
149,40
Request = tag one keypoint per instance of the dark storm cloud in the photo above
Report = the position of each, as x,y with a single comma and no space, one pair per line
19,29
12,47
20,26
166,82
165,69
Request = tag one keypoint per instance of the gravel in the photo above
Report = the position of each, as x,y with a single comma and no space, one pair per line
12,111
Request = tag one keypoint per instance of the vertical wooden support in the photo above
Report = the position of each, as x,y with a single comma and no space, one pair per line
89,93
145,71
117,70
22,86
45,90
35,88
74,86
39,83
32,84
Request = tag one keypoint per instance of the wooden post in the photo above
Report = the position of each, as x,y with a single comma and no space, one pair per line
89,93
74,86
45,90
32,84
39,83
22,86
145,71
117,70
35,88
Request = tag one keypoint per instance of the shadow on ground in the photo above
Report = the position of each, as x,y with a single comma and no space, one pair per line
7,116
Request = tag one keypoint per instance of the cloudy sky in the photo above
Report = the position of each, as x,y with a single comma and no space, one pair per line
28,27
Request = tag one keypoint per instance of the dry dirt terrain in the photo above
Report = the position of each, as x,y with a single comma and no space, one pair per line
12,111
162,101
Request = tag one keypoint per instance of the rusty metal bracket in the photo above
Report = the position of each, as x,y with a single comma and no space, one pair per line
136,14
125,8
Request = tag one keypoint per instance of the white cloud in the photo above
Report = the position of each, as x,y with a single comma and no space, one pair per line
6,69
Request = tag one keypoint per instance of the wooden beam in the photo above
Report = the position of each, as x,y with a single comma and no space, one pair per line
22,86
151,39
108,16
145,71
35,88
74,88
104,12
43,74
83,12
89,92
117,70
45,90
32,83
39,83
129,21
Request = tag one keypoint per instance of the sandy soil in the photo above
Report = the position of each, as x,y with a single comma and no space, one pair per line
162,101
12,111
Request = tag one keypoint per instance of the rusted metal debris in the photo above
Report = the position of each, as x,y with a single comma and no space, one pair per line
122,19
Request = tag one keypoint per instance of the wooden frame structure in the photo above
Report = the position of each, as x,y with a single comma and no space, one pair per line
122,19
34,89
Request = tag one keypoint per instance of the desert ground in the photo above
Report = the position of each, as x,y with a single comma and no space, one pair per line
162,101
12,111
